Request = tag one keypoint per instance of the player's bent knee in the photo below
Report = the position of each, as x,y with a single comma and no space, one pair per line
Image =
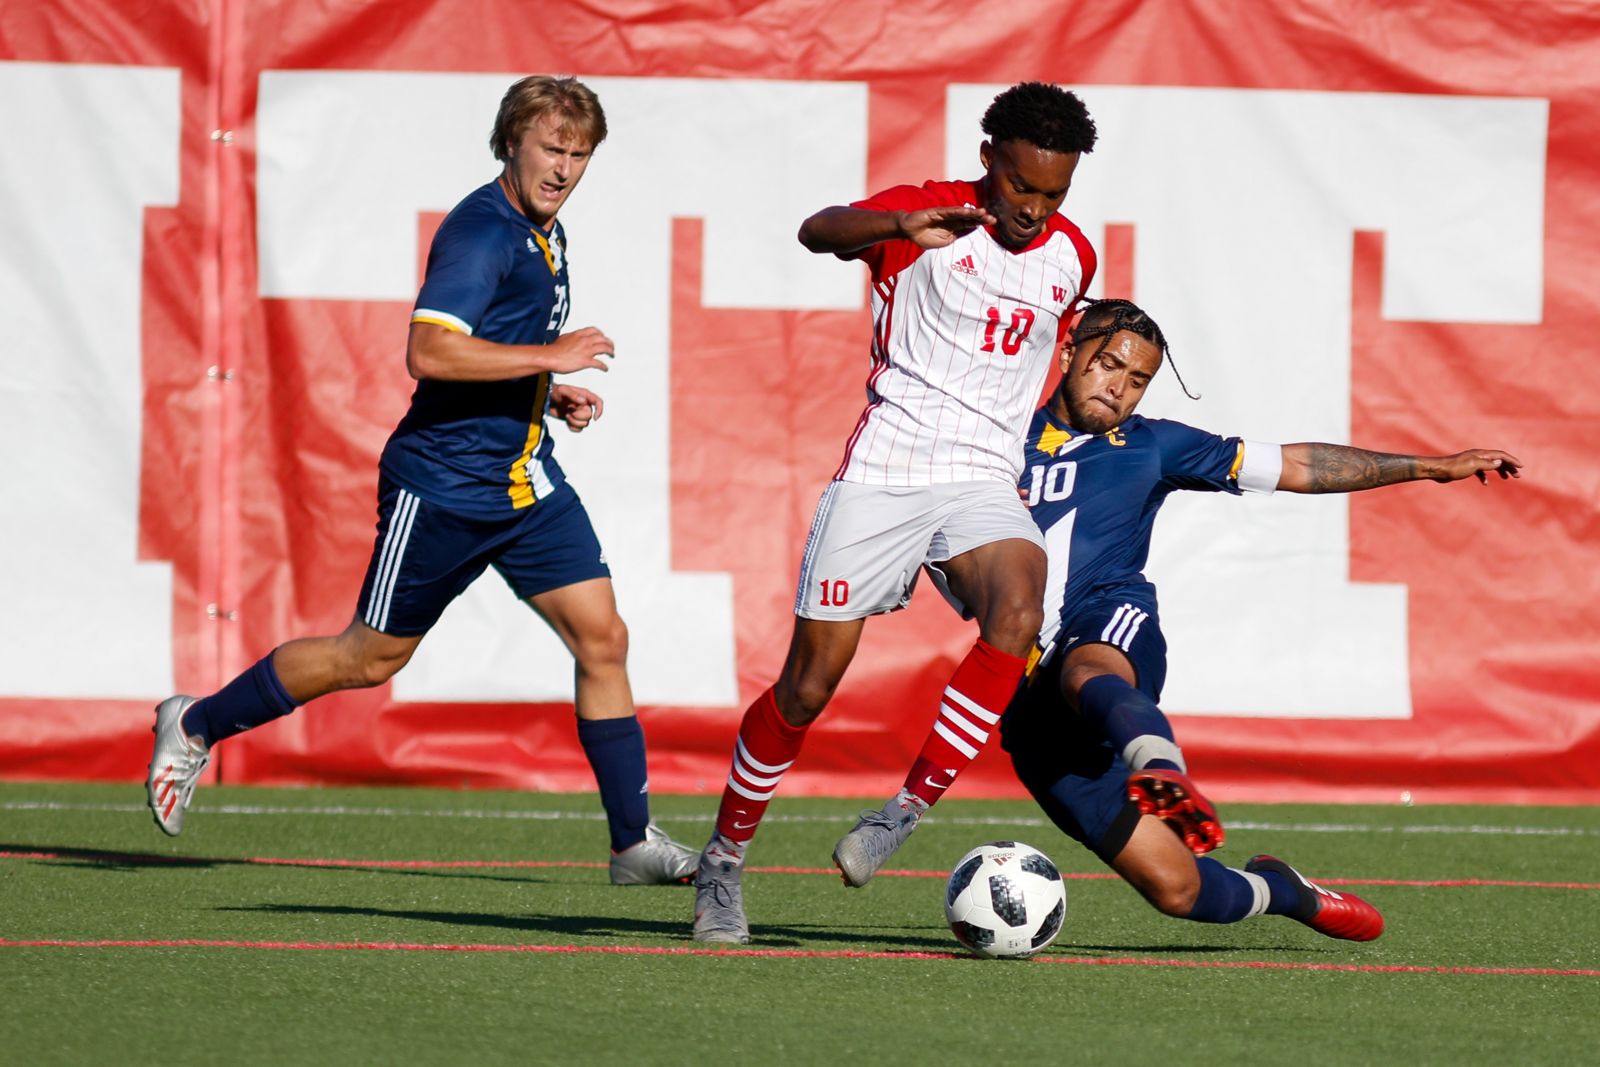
375,670
1173,896
371,663
1014,628
603,645
1080,675
800,701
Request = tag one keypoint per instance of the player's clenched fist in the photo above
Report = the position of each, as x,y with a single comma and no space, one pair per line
580,350
576,406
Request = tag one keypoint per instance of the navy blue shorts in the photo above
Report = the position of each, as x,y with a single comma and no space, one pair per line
426,555
1068,765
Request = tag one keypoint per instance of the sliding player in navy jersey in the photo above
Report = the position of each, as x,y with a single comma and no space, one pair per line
1086,735
467,481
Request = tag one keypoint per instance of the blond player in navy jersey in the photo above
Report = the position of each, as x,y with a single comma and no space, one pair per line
468,481
972,286
1087,736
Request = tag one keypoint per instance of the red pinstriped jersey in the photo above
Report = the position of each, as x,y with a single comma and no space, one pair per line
962,339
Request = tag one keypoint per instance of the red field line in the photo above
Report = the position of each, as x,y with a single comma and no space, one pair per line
1101,876
847,954
1093,876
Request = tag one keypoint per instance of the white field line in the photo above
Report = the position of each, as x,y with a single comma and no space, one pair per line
548,815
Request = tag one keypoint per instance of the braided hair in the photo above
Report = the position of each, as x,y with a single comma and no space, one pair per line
1105,319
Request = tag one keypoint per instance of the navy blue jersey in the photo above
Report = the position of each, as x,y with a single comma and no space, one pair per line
481,447
1095,497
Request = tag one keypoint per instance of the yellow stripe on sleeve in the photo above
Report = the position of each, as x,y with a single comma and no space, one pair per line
435,318
1238,463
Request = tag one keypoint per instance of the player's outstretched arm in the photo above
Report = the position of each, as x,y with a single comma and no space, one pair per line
850,229
1314,467
436,352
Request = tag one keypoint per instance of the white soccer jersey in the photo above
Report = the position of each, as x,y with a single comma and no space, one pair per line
962,340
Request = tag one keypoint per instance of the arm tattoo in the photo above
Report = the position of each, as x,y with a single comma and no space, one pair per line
1341,469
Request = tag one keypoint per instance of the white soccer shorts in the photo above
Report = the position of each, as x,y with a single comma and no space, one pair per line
868,542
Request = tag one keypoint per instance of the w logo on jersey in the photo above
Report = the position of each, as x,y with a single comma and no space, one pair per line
964,265
1059,293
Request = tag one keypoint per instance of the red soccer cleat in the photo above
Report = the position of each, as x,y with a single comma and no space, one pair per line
1172,798
1342,915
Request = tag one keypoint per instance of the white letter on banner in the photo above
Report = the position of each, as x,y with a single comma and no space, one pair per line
343,175
87,148
1243,204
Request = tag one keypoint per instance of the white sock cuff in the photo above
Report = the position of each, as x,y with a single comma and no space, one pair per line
1258,886
1146,747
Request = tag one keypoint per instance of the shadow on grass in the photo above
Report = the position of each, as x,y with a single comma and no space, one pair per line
767,936
108,860
1061,947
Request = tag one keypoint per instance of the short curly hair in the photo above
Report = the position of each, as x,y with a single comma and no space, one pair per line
1044,115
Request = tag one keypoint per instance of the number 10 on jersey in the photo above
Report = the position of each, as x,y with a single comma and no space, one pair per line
1052,483
1016,333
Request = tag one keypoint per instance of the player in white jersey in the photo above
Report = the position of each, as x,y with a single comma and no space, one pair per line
972,287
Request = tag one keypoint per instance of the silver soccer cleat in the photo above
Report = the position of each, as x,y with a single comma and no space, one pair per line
875,837
657,860
719,903
175,766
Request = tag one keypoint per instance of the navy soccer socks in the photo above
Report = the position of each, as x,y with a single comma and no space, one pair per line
254,698
1132,723
1228,895
615,748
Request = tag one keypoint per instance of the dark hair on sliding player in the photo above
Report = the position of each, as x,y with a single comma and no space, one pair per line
1045,115
1106,318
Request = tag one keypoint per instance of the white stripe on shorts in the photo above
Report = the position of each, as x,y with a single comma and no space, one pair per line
394,550
1123,626
824,506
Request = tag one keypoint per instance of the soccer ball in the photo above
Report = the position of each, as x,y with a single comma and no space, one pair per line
1005,900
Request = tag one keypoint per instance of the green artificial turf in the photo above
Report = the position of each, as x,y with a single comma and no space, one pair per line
111,876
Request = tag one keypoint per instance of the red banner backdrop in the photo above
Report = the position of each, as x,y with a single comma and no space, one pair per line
268,381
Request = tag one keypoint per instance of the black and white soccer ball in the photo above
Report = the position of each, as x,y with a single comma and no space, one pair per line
1005,900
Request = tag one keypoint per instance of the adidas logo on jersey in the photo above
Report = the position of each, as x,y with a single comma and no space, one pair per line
964,265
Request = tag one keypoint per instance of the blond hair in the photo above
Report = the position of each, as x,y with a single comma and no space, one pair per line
534,97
